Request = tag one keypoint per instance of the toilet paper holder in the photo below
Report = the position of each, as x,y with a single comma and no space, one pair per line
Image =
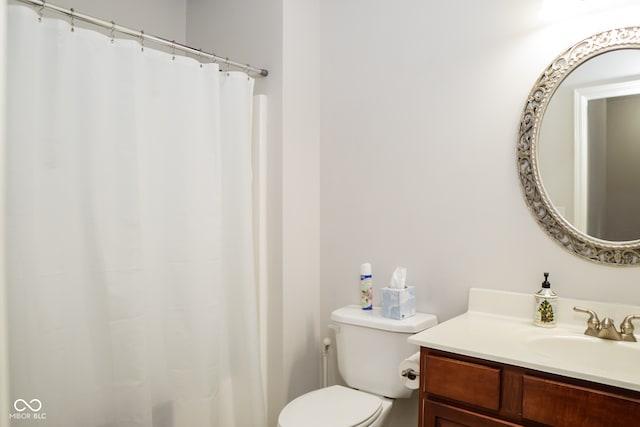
410,374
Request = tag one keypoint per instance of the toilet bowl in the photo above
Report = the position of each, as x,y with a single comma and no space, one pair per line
336,406
369,349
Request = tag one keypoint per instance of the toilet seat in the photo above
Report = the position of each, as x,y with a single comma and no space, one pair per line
334,406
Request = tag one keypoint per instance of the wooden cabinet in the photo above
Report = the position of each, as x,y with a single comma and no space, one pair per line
460,391
443,415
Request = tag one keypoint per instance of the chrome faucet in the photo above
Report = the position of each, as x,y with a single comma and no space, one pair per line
606,329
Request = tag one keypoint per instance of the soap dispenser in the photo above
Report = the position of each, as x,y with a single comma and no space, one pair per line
545,305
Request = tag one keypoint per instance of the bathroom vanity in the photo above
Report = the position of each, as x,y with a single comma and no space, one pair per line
458,391
492,367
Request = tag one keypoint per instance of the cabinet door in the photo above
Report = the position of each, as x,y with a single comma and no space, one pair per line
560,404
468,383
435,414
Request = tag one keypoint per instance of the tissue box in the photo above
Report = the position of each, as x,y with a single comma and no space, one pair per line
398,303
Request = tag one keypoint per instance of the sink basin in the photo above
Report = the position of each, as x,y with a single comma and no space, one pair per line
498,327
587,353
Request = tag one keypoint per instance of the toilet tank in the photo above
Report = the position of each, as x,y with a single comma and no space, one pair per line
370,348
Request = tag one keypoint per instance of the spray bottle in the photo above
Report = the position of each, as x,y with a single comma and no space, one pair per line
366,287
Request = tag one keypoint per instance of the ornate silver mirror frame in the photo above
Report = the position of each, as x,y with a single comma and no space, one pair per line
557,227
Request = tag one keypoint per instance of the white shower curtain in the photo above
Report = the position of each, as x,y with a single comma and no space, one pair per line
130,269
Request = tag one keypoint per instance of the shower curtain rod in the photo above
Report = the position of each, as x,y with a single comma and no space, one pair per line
113,27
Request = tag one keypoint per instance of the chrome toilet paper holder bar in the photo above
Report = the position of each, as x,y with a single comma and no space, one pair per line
410,374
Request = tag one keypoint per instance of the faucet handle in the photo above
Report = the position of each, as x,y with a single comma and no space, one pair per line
626,327
593,323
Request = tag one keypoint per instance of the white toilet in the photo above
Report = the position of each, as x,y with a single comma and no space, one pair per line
369,348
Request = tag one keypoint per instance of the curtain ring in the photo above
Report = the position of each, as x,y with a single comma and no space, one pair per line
141,41
200,57
227,63
72,12
173,50
113,29
213,59
40,11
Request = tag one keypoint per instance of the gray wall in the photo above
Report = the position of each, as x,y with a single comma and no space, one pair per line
623,173
4,338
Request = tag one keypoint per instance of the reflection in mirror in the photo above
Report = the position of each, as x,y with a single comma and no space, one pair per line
587,154
610,202
579,148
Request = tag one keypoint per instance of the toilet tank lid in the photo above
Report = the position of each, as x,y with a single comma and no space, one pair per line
355,315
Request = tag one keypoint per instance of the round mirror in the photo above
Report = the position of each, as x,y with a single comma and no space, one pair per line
579,148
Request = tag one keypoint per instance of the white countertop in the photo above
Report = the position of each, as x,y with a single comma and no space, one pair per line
498,326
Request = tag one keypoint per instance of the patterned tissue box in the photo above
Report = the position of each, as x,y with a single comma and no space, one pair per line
398,303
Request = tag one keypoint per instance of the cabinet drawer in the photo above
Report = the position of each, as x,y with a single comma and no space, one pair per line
567,405
465,382
443,415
